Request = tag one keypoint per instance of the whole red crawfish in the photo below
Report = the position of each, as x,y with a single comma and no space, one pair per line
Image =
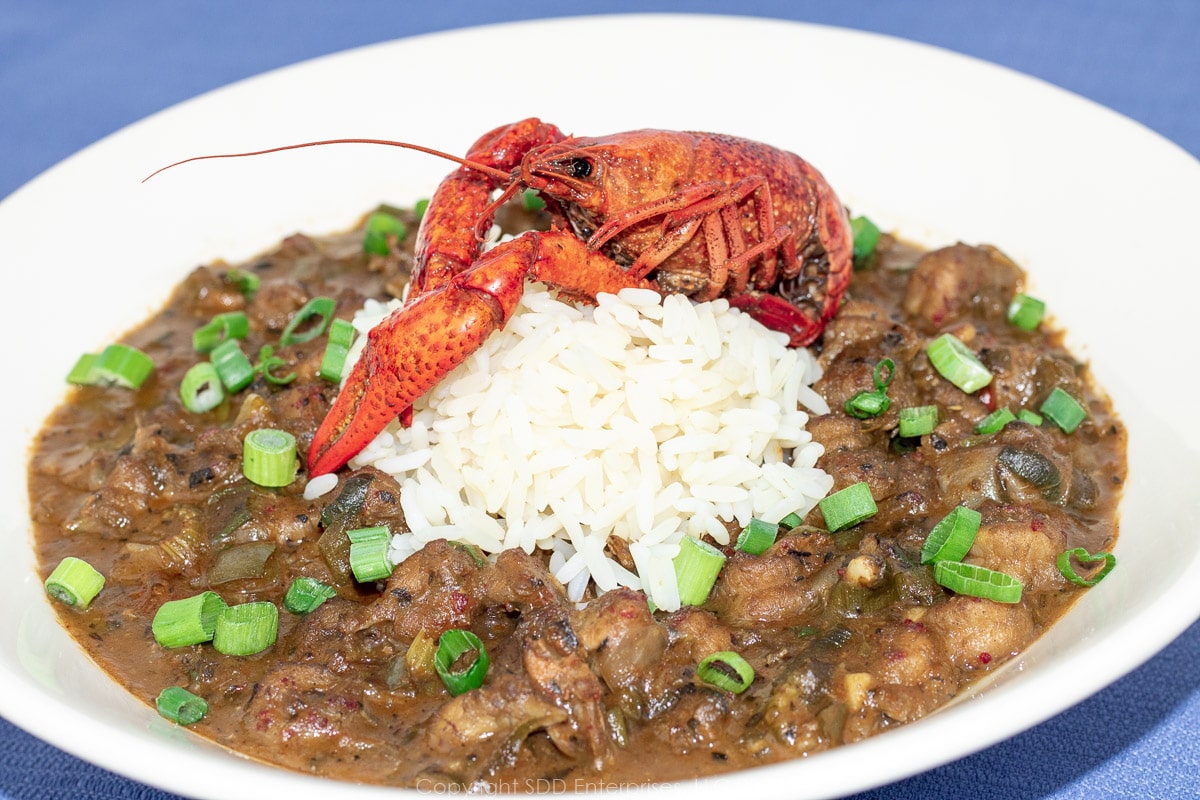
702,214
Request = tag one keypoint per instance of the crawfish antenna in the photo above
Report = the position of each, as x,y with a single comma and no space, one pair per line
495,173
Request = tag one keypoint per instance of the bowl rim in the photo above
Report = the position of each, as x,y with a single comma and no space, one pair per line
26,707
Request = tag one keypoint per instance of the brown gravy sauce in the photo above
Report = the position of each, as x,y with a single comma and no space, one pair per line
153,497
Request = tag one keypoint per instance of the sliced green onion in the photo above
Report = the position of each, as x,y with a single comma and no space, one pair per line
81,374
1026,312
341,337
882,379
532,200
306,594
696,568
918,420
181,706
867,404
233,367
952,537
369,559
246,282
1063,410
420,208
453,645
123,365
222,328
977,581
341,332
1032,417
995,421
267,362
374,533
848,507
74,582
866,236
1081,555
380,225
179,623
756,537
309,322
246,629
792,520
726,670
955,362
201,389
269,457
84,373
116,365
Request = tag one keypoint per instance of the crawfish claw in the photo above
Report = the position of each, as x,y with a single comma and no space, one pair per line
423,340
405,356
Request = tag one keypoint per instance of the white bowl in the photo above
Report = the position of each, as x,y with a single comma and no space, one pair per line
937,146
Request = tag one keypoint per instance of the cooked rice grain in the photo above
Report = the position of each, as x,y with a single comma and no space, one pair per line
649,418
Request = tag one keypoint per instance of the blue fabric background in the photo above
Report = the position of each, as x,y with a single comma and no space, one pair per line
72,72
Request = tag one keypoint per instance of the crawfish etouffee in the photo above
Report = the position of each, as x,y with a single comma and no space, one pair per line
834,626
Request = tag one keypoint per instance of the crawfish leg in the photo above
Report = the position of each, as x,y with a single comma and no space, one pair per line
557,258
813,284
566,263
679,226
446,242
725,239
713,207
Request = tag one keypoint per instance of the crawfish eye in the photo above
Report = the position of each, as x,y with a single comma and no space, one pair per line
580,168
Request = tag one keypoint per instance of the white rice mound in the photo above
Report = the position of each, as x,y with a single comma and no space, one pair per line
647,418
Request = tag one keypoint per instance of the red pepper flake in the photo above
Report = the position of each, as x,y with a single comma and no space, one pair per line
315,720
459,602
841,572
985,658
345,702
1037,523
912,624
896,655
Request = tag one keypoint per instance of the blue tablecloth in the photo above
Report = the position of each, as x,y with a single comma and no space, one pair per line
72,72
